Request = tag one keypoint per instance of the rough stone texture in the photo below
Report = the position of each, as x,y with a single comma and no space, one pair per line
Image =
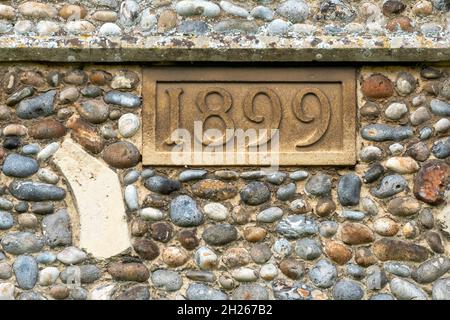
104,234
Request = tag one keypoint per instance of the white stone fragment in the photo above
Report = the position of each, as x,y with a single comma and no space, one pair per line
103,292
48,151
151,214
98,198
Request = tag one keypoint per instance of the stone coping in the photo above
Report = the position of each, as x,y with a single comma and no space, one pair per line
223,48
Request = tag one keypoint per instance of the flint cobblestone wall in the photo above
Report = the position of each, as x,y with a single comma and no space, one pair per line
378,230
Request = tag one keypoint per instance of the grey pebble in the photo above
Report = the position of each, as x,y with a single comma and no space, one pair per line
383,132
162,185
26,271
398,269
347,290
87,273
431,270
123,99
6,220
35,191
286,192
255,193
349,189
355,271
16,165
22,242
189,175
389,186
319,185
167,280
184,212
308,249
250,291
441,289
297,226
328,229
276,178
299,175
56,228
440,108
200,291
39,106
323,274
46,257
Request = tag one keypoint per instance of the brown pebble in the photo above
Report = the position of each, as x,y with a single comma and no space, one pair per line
377,86
254,234
400,23
325,207
338,252
167,21
73,12
132,271
9,82
364,257
59,292
75,77
161,231
188,239
156,201
174,256
393,249
391,7
121,155
2,154
32,78
356,233
138,228
236,257
260,253
100,78
241,215
292,268
432,87
403,206
418,151
27,220
146,249
215,190
430,181
435,242
370,110
85,134
47,129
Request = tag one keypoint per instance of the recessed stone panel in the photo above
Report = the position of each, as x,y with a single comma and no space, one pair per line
249,116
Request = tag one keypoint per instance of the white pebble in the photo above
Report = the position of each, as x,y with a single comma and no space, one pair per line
244,274
268,272
442,125
216,211
109,29
396,149
131,197
47,28
396,110
48,276
48,151
48,176
71,255
151,214
128,125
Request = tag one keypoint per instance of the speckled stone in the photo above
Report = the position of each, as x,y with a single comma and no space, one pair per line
184,212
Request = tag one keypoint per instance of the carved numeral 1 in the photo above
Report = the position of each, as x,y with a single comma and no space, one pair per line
174,111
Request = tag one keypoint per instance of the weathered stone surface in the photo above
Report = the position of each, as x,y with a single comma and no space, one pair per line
22,242
255,193
430,181
392,249
390,185
250,292
214,190
102,194
323,274
57,230
319,185
431,270
406,290
347,290
296,226
85,134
